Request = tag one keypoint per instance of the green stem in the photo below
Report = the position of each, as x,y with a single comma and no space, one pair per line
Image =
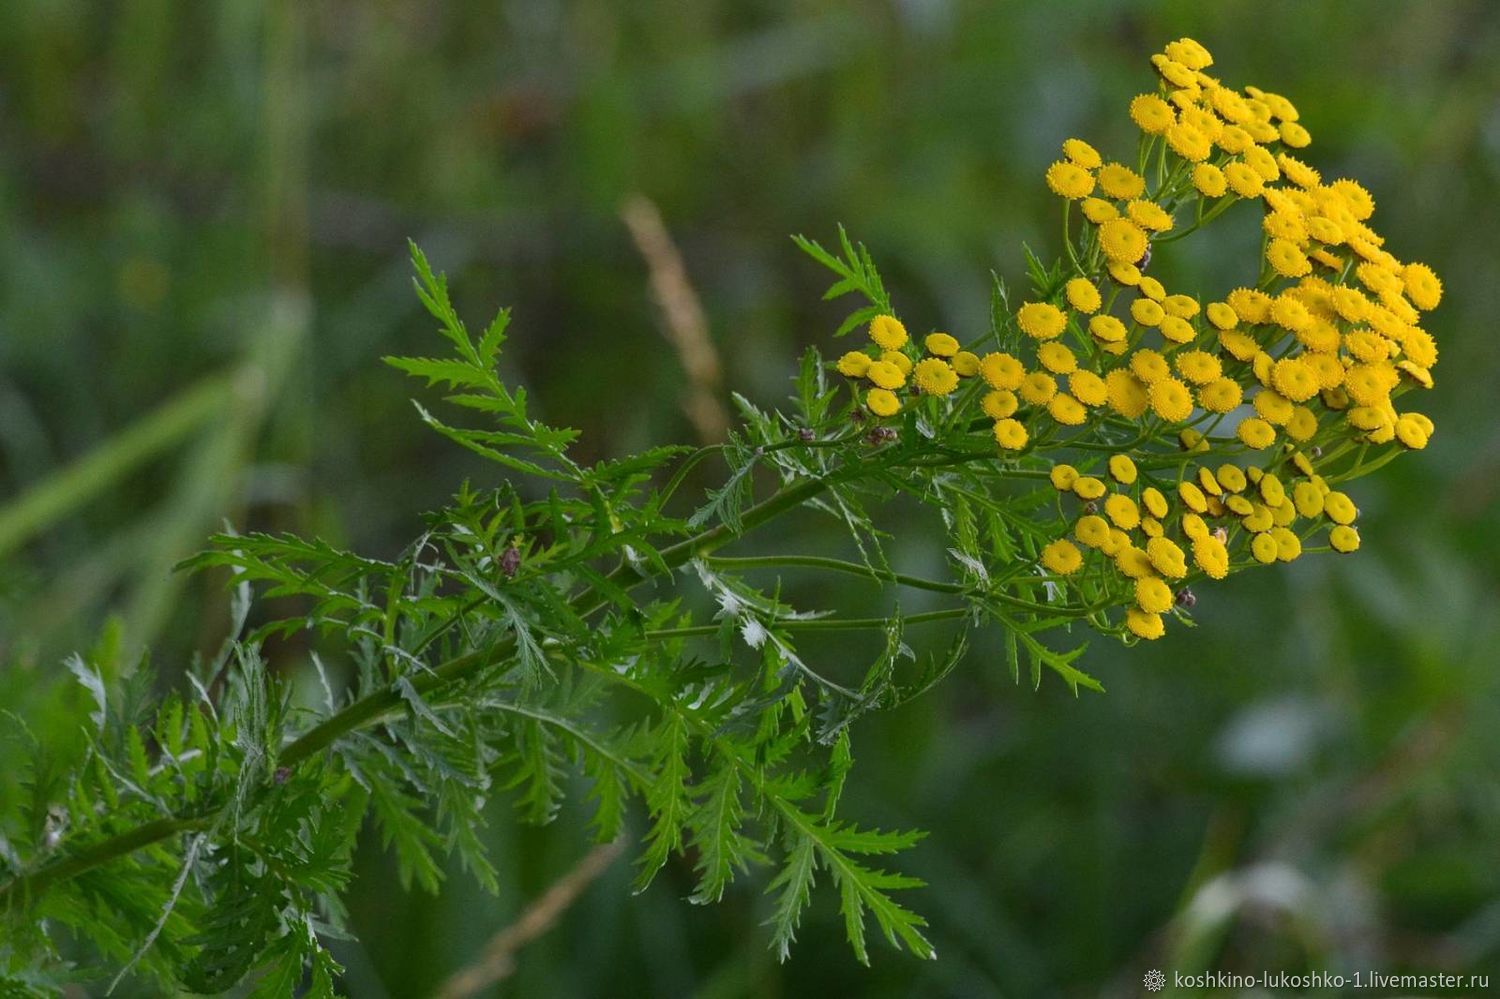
377,705
371,708
881,575
837,565
374,706
30,885
821,624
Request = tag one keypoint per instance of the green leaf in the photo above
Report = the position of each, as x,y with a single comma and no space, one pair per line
667,799
792,887
716,833
404,831
442,371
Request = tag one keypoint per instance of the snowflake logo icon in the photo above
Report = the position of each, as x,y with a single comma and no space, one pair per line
1154,980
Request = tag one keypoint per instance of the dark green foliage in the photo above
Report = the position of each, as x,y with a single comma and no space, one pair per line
206,841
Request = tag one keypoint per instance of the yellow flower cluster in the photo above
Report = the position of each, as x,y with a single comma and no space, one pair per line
1266,394
936,372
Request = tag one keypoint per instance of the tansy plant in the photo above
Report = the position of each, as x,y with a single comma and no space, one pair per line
1091,456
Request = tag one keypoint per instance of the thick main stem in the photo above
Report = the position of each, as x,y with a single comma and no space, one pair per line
92,856
374,706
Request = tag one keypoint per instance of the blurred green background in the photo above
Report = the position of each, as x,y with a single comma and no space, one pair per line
203,209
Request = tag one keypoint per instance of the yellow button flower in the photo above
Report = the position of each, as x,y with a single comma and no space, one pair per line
1243,180
1092,530
1143,624
900,360
1088,388
1220,395
1122,240
1221,315
1062,557
999,403
1198,367
1086,487
1153,596
1057,358
1133,562
1122,469
1082,153
1107,329
854,364
1192,496
882,403
1211,555
887,332
1098,210
1149,215
1256,433
1082,295
1121,182
1010,434
1231,477
1271,490
1122,512
1411,432
1210,180
1127,394
885,375
1067,410
1339,508
1002,371
1146,312
1287,259
1260,518
1181,306
1343,538
1041,320
1069,180
940,344
1170,399
1038,387
1308,499
1149,366
1295,379
1151,114
1288,545
1189,143
934,376
1422,286
1167,558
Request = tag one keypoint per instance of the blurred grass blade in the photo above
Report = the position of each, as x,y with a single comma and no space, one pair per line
64,491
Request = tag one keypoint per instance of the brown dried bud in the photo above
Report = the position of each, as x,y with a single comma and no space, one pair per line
510,562
1186,598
